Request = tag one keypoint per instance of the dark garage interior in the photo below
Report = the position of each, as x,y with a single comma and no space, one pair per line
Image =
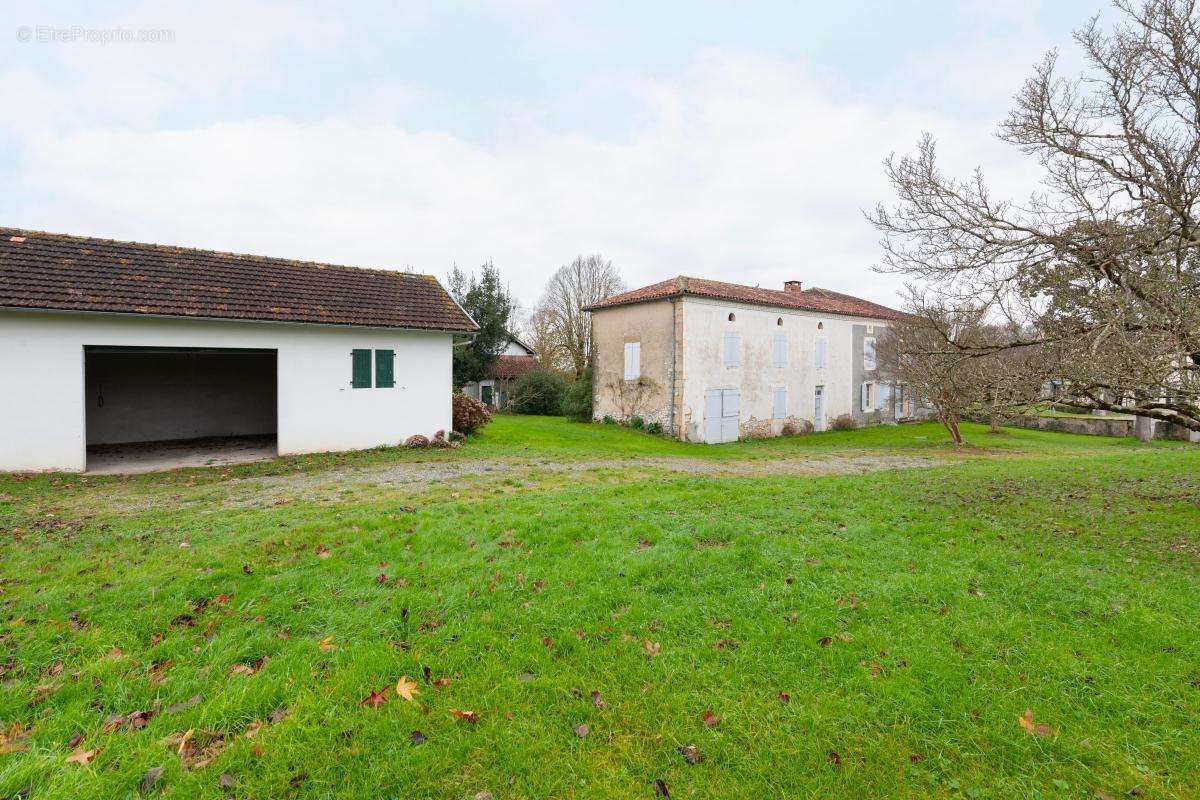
154,408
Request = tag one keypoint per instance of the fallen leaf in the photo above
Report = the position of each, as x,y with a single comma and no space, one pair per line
76,738
710,719
581,730
279,714
660,788
175,708
1034,728
406,688
323,551
416,738
149,778
375,699
485,794
834,757
597,700
327,644
825,641
652,648
226,781
691,754
81,756
785,698
468,716
441,683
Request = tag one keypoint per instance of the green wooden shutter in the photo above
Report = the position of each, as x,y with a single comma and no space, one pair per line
360,375
385,372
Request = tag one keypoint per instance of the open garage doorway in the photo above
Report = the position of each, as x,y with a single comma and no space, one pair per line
152,408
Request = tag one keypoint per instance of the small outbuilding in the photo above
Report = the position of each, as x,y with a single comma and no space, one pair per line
106,346
515,362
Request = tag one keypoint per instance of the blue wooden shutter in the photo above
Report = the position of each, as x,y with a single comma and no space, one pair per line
360,372
385,373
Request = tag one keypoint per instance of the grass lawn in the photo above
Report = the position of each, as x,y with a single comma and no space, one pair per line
611,607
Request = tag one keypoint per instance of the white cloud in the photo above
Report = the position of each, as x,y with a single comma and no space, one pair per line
743,169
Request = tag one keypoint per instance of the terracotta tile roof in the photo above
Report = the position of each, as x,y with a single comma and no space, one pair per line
513,366
820,300
72,273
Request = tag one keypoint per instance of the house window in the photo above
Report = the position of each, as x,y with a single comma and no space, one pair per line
633,361
360,369
779,406
869,353
819,353
733,350
780,349
868,396
779,322
385,369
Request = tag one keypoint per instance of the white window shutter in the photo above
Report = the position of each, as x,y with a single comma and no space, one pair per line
781,350
780,409
863,404
633,361
819,354
733,349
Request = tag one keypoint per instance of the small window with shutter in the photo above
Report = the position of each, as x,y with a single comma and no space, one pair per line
733,350
868,396
385,369
360,369
779,406
633,361
780,350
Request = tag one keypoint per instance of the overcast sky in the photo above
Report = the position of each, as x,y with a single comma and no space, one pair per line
736,141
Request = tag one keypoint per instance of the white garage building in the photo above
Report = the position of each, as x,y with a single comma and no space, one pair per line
106,344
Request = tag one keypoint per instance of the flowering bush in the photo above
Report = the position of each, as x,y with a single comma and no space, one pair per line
469,414
417,440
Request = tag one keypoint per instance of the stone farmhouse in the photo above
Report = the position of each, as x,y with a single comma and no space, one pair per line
715,362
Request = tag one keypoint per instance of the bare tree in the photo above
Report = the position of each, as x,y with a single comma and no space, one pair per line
1099,270
565,330
958,363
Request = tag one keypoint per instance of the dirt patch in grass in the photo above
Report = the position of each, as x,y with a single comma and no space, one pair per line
411,477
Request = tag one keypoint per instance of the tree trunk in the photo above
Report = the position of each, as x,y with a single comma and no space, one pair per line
950,421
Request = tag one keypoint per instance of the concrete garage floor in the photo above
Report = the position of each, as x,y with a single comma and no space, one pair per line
138,457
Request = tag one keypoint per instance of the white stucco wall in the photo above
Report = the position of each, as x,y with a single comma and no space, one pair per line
42,381
705,323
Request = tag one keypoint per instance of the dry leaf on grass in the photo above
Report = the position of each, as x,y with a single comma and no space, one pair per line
1026,721
407,689
81,756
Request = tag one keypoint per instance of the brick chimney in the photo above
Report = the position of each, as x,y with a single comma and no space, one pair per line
792,286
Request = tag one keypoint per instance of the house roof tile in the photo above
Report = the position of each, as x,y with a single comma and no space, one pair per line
73,273
819,300
513,366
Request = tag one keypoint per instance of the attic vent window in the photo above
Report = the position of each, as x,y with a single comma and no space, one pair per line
732,317
779,322
820,326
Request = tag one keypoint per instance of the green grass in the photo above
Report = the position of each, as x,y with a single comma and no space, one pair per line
910,616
